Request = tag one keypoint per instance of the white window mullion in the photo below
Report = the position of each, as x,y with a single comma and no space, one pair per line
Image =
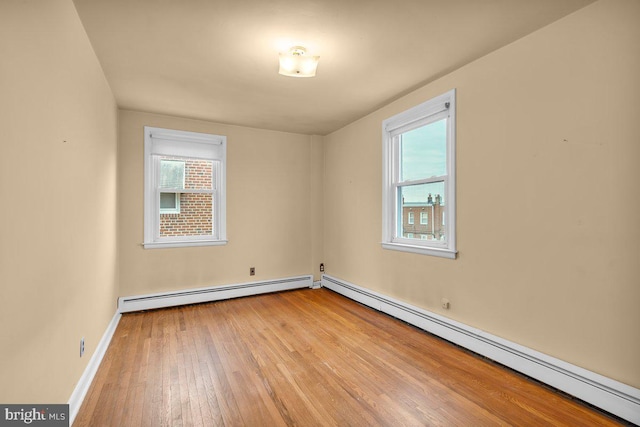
156,198
396,211
393,168
215,212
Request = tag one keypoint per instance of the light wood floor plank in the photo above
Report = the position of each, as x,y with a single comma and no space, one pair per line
306,358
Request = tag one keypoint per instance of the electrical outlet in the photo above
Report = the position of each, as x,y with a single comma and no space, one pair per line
252,271
81,346
322,267
445,303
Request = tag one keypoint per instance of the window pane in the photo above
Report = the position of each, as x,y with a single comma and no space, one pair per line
195,217
171,173
427,200
186,214
168,201
190,174
423,151
199,174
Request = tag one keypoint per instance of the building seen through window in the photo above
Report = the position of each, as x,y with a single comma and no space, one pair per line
431,212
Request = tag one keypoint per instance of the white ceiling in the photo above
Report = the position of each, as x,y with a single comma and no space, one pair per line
217,60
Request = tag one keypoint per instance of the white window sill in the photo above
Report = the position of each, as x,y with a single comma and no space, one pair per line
183,244
423,250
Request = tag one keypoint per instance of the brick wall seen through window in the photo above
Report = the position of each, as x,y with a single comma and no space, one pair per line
195,217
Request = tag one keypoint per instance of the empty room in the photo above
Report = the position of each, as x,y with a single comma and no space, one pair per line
322,212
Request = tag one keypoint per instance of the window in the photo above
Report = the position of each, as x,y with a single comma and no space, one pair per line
169,203
184,184
410,219
424,218
419,172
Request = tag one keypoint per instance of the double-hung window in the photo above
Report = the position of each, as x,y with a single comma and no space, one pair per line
419,175
184,188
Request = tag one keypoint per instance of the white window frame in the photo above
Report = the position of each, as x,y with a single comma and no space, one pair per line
410,218
424,218
420,115
186,145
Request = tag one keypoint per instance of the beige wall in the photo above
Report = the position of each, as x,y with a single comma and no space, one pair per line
548,133
551,120
58,130
269,222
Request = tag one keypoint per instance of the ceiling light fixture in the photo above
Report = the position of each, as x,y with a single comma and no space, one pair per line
296,63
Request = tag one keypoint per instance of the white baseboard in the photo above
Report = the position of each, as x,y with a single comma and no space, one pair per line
79,393
213,293
605,393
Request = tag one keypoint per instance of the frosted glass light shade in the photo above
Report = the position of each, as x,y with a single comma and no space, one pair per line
296,64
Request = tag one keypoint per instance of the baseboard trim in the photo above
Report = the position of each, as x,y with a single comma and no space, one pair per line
80,391
605,393
213,293
168,299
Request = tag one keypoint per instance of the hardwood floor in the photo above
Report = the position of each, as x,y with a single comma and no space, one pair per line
306,358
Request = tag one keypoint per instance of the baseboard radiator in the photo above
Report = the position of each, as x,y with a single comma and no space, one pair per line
602,392
213,293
